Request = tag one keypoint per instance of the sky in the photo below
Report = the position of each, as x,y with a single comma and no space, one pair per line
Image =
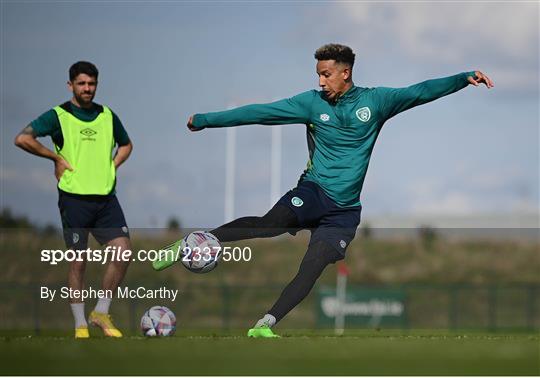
472,154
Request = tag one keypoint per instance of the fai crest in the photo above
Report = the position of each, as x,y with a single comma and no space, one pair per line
363,114
297,202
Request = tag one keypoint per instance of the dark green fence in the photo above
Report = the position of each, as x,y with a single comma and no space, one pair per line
224,306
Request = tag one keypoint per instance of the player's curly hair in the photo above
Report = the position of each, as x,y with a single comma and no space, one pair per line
337,52
83,67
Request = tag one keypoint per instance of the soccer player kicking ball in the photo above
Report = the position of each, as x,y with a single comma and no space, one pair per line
342,123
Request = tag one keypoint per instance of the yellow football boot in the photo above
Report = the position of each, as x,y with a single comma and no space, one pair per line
104,321
82,333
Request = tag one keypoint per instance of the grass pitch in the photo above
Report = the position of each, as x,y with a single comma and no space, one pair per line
297,353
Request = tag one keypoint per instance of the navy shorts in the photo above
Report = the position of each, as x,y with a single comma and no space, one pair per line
100,215
316,211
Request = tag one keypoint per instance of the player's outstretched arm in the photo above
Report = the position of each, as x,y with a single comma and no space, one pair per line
397,100
292,110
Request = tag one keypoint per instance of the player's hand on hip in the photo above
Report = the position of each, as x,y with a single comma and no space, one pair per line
479,79
60,165
191,126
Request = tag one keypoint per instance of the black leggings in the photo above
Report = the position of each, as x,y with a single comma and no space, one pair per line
279,220
317,257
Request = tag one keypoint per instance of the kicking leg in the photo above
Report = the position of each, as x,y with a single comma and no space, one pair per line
277,221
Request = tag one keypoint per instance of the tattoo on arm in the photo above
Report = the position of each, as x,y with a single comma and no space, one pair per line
28,130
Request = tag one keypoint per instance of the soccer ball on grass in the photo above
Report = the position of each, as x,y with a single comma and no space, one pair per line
158,321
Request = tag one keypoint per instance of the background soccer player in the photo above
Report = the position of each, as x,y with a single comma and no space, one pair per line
84,135
342,122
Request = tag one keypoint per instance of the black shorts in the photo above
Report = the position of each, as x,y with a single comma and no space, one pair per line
100,215
316,211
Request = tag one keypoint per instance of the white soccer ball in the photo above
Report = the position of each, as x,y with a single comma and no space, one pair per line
201,252
158,321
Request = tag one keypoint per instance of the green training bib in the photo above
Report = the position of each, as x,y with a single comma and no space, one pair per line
88,149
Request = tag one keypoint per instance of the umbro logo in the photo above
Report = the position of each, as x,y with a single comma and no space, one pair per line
324,117
88,132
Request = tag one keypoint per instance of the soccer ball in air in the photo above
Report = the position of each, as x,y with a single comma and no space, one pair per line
158,321
201,252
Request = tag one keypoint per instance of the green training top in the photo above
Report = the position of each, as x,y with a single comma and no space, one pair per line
340,135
